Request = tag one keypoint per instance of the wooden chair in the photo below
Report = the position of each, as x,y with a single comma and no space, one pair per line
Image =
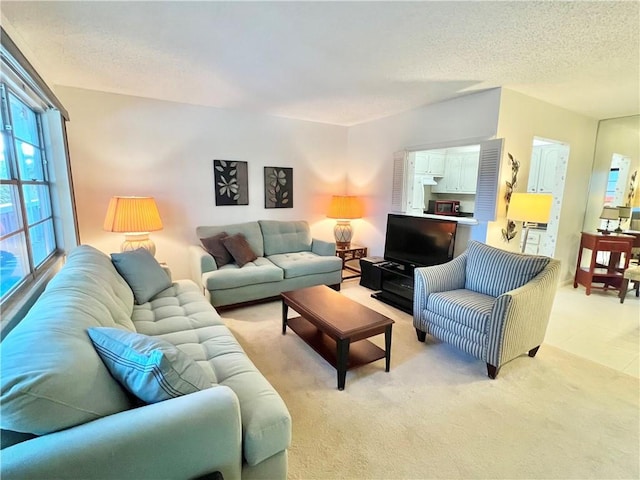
631,274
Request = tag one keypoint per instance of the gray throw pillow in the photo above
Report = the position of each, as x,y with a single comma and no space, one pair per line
215,248
239,249
151,369
142,272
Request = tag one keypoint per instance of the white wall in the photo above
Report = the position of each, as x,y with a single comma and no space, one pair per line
372,144
122,145
521,119
615,136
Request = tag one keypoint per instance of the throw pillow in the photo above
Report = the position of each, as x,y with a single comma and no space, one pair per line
142,272
239,249
215,248
151,369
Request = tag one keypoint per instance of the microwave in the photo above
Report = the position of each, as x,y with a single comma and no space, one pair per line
444,207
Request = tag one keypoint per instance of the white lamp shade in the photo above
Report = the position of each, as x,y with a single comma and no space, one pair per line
530,207
609,213
624,212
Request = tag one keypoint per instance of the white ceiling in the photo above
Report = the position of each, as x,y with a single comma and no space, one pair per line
339,62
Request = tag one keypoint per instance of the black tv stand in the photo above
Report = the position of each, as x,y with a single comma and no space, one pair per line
397,285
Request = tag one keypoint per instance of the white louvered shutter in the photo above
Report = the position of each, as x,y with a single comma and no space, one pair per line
488,180
399,189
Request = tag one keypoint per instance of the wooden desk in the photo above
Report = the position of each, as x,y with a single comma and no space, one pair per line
609,274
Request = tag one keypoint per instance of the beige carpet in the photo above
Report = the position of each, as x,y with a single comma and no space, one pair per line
437,415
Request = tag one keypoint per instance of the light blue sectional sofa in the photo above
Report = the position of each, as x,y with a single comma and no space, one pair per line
65,416
288,259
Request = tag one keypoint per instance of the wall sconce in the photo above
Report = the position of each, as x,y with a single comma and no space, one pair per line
531,209
344,209
135,217
608,214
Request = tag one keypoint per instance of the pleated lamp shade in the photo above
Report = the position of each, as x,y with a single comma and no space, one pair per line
345,207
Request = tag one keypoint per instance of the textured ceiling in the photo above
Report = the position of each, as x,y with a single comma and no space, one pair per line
339,62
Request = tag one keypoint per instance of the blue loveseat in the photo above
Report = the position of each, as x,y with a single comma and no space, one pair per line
288,258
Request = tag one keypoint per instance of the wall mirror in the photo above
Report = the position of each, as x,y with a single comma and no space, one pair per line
615,174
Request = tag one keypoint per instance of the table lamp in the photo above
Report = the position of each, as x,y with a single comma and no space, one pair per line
344,208
530,209
623,214
135,217
608,214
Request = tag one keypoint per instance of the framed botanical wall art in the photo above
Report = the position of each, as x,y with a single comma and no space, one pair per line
278,187
231,182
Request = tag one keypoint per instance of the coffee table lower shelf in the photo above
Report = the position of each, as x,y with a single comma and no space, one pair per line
360,352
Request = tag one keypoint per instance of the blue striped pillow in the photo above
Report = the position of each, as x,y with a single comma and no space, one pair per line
151,369
494,271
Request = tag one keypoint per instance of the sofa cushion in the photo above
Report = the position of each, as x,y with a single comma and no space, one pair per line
142,272
305,263
285,237
464,307
253,273
92,272
150,368
173,314
250,230
239,249
181,316
51,376
266,423
494,271
214,246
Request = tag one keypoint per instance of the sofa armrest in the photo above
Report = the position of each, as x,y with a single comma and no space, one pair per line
200,262
184,437
519,318
323,248
437,278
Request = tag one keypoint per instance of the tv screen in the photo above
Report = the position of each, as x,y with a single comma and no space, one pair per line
419,241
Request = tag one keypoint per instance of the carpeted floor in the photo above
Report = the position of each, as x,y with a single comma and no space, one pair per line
437,415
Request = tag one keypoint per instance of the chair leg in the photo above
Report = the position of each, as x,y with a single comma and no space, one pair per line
637,288
623,289
492,371
533,351
422,336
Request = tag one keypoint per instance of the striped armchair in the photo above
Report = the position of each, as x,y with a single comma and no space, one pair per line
490,303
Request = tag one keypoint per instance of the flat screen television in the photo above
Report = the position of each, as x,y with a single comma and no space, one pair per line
419,241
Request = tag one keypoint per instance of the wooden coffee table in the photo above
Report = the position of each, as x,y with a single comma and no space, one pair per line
336,327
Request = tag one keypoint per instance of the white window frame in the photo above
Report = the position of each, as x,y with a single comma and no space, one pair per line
19,76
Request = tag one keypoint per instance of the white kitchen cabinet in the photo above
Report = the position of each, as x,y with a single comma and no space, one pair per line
430,163
542,173
460,174
535,241
469,173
